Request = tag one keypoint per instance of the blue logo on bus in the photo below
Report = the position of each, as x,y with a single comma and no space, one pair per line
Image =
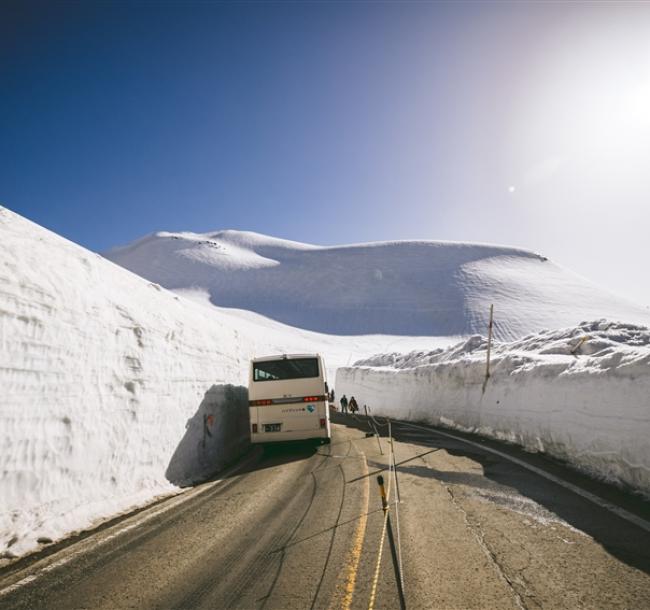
310,408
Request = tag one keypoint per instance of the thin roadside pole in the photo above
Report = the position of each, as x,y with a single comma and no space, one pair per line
400,573
489,347
381,451
374,428
392,459
380,552
393,548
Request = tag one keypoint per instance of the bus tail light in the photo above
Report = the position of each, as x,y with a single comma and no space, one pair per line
260,403
323,422
254,428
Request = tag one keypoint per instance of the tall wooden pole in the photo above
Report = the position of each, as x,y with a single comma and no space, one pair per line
489,345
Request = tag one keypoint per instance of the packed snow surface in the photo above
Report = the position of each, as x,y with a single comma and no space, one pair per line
421,288
581,393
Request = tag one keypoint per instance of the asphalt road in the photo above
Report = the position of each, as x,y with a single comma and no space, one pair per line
301,527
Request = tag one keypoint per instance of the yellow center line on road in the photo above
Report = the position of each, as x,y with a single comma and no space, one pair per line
375,579
353,559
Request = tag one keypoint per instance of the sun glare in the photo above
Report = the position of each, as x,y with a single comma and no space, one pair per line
586,106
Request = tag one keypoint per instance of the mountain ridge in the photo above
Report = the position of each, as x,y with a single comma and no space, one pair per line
406,287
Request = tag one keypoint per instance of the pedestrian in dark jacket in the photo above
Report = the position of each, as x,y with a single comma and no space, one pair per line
354,407
344,404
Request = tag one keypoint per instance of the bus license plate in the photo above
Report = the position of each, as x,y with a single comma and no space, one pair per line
272,427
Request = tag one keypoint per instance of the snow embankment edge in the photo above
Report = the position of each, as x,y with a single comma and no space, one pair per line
575,417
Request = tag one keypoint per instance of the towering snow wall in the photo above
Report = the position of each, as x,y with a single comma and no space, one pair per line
581,394
112,390
423,288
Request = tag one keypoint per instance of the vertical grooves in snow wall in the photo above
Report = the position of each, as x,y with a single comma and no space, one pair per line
113,390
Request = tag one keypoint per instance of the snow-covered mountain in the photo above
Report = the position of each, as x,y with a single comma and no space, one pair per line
424,288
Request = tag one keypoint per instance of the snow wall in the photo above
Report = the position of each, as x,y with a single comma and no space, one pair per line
112,390
591,409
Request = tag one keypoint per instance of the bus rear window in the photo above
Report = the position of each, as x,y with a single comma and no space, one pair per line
276,370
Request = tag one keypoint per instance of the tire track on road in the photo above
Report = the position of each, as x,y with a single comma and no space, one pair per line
334,530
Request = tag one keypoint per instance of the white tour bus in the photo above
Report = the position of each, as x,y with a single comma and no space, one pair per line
287,398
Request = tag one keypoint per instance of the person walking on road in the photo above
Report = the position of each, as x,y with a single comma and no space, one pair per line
354,407
344,404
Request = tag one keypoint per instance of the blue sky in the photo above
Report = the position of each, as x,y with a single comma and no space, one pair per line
334,122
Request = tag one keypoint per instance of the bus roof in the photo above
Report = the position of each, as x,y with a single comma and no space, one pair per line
285,356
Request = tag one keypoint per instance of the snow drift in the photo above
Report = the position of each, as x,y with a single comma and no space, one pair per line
580,394
423,288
